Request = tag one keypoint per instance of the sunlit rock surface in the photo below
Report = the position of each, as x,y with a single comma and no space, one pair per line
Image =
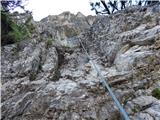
49,77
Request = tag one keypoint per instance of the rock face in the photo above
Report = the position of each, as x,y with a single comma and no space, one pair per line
49,77
64,26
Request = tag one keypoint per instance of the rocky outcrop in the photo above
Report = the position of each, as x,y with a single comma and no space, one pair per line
64,26
50,77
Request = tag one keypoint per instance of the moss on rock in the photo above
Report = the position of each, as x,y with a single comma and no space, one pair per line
156,93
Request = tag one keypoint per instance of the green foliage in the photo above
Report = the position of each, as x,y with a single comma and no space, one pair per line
32,76
135,110
28,20
11,32
5,23
31,28
156,93
57,75
49,42
17,33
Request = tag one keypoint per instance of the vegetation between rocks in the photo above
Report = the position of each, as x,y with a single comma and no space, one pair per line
156,93
11,31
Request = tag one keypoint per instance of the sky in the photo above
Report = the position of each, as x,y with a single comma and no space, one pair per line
43,8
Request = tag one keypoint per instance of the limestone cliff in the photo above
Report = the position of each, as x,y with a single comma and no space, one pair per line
49,76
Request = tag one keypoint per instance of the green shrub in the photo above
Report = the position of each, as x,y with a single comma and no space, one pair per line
28,20
57,75
11,32
156,93
32,76
49,42
31,28
17,34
